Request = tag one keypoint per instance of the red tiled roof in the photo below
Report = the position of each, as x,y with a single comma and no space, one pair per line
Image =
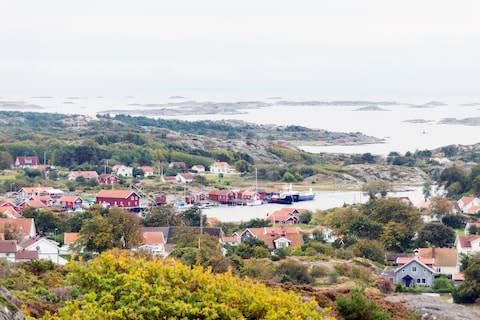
269,234
284,214
69,198
26,255
146,169
8,246
467,200
29,161
473,209
405,260
30,241
21,224
441,256
153,237
122,194
9,211
423,262
70,237
35,189
465,241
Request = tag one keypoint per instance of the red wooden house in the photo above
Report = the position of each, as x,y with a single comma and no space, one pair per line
108,178
118,198
26,162
222,196
70,202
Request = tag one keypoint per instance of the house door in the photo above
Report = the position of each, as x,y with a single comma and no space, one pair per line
408,280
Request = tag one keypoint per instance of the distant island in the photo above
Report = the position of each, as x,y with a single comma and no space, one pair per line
176,97
418,121
472,121
371,108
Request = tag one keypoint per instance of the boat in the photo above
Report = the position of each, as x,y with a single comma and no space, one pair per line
281,199
255,201
306,196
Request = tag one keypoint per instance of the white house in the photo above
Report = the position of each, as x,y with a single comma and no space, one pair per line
445,260
221,167
8,248
198,168
468,244
184,177
153,243
47,249
121,170
23,227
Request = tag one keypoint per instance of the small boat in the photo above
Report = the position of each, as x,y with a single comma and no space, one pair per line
287,199
254,202
306,196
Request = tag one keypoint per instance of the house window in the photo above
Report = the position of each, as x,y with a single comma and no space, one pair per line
403,270
418,280
414,269
438,269
423,280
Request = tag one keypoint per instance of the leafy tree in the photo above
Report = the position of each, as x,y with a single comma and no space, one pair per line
6,160
369,249
250,248
427,189
243,166
435,234
440,206
476,186
255,223
453,221
305,217
376,187
119,285
162,216
45,220
192,216
356,307
469,290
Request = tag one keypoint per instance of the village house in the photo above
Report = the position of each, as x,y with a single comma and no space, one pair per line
33,202
9,212
327,233
8,249
118,198
445,260
222,196
466,203
47,249
153,242
70,202
24,228
87,175
26,162
108,178
472,210
468,244
221,167
69,240
184,177
414,272
275,237
198,168
147,171
285,216
123,171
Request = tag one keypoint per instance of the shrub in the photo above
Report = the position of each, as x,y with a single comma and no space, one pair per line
332,277
344,254
319,271
385,285
442,285
293,271
357,307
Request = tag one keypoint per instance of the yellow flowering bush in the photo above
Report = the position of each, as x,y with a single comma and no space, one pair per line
120,285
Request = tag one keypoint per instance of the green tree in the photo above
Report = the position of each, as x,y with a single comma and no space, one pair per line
469,290
45,220
162,216
427,189
442,285
435,234
6,161
369,249
192,216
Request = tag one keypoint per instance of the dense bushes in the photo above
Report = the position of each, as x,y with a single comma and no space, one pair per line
356,307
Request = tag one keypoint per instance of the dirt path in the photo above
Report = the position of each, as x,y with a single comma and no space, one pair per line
435,306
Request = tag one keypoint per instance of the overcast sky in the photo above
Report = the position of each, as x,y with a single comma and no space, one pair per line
343,47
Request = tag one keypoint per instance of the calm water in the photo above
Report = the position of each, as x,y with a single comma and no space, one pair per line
323,200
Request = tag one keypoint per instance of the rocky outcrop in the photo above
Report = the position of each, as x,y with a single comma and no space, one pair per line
9,306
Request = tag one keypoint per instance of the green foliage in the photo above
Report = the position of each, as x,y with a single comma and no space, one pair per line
469,290
369,249
356,307
435,234
294,272
453,221
45,220
442,285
